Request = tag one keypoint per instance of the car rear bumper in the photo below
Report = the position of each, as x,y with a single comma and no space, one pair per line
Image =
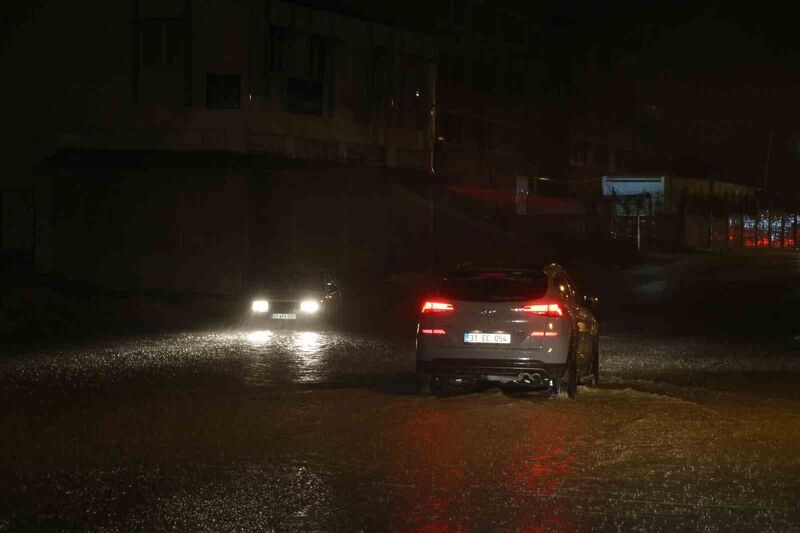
486,368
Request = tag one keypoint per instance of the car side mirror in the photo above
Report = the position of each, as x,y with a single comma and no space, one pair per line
590,301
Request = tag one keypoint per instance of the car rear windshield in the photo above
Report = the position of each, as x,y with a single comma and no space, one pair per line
494,286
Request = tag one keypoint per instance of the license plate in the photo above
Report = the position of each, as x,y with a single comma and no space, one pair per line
284,316
487,338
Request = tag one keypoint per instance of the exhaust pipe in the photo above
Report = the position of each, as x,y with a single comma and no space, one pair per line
534,379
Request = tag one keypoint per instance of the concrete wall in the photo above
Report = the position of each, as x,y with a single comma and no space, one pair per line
211,229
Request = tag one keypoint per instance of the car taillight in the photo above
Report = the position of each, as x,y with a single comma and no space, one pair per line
433,306
544,309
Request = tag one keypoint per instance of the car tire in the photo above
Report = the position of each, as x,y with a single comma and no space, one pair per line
568,384
424,381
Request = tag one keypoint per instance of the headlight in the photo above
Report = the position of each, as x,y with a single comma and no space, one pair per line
260,306
309,306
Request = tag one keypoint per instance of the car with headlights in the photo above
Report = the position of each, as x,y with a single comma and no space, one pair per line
294,297
511,327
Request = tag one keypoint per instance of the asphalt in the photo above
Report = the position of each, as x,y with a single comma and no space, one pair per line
695,425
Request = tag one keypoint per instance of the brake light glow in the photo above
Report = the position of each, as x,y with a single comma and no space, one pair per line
433,331
544,334
544,309
436,307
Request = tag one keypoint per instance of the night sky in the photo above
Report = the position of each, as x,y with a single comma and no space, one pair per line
722,76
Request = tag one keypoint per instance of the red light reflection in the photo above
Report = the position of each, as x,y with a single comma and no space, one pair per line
447,451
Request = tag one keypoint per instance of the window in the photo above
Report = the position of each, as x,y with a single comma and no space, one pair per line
459,7
451,127
478,130
315,58
515,83
382,69
301,58
483,76
278,49
580,152
223,91
161,42
360,96
441,8
534,40
451,68
304,96
483,19
514,30
501,138
494,286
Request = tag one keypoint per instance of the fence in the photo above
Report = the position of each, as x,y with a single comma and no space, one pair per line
700,221
765,220
765,229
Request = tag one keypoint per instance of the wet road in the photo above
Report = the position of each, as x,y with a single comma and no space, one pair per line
695,427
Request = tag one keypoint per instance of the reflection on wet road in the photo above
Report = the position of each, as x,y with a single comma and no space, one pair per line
314,357
255,358
259,430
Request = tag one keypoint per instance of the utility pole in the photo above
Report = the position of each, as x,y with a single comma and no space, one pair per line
639,223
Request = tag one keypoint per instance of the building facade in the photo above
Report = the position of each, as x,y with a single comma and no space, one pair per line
179,144
487,129
184,144
264,77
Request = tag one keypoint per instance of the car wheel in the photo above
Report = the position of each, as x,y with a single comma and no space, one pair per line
568,384
424,382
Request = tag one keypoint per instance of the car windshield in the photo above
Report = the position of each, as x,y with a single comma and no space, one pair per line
291,280
494,286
